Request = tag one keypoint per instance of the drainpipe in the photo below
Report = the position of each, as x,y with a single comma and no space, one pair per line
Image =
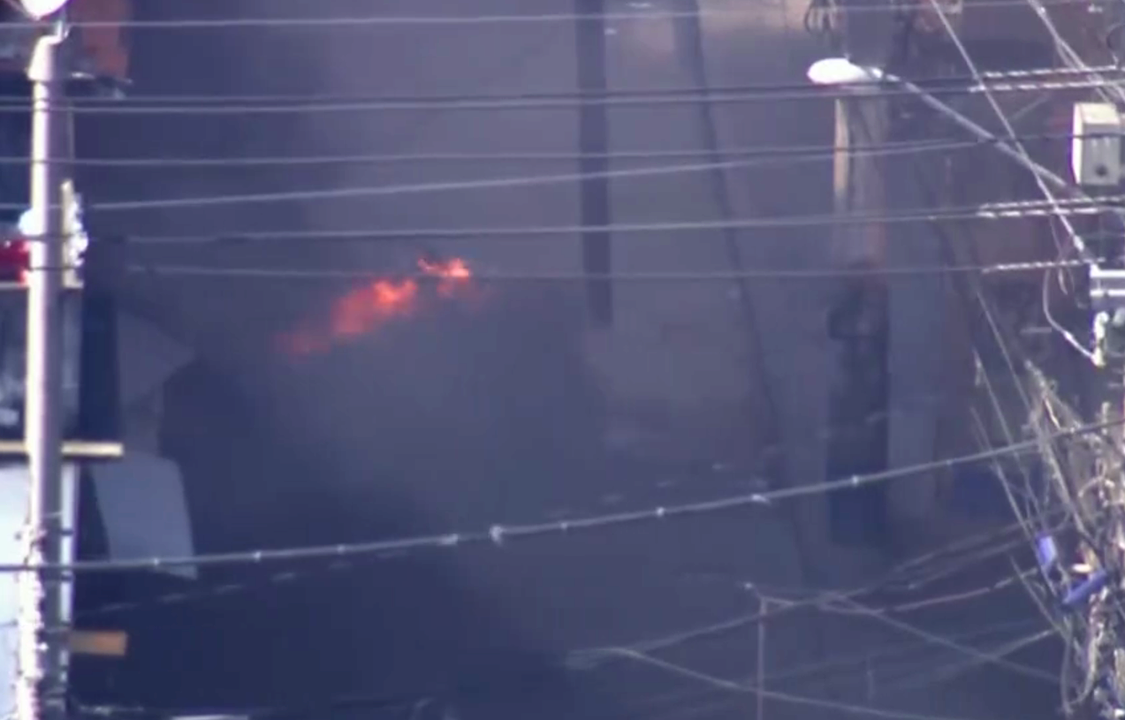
593,144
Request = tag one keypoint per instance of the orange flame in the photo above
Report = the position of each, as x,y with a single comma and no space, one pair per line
366,309
455,275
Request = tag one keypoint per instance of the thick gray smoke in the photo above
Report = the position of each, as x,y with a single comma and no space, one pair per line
455,418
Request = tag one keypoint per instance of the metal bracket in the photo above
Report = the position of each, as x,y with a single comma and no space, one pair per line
1107,300
1107,289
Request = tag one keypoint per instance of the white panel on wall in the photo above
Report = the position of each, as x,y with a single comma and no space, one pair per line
144,510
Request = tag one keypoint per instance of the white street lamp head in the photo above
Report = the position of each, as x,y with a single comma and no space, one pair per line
841,71
40,9
29,225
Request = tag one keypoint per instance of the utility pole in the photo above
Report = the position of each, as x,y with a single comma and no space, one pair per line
41,690
1097,166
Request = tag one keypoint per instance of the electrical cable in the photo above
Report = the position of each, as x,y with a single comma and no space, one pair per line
780,275
733,686
897,623
530,100
1093,643
477,184
1032,209
947,672
1001,78
497,535
955,597
537,102
369,701
723,627
792,672
766,155
227,589
895,650
1111,40
987,79
826,597
1002,343
1065,627
1049,314
1066,52
909,628
366,21
959,563
810,670
1009,130
1021,151
690,44
827,600
802,671
486,278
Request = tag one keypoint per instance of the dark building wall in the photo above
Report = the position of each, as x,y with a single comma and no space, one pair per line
461,419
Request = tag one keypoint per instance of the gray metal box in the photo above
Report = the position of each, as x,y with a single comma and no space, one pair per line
1095,154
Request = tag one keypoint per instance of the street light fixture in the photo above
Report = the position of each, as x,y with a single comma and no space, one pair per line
42,9
841,71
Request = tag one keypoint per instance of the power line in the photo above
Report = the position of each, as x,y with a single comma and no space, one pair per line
781,596
826,435
371,191
911,629
402,701
998,211
386,190
738,687
571,658
564,98
729,625
753,157
950,670
266,273
568,659
362,21
1009,129
1028,79
808,670
763,155
260,106
896,650
290,577
1045,182
498,534
477,184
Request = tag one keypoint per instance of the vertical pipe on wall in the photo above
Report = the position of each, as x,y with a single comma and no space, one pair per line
593,144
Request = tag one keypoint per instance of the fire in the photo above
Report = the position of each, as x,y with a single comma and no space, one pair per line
366,309
455,275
